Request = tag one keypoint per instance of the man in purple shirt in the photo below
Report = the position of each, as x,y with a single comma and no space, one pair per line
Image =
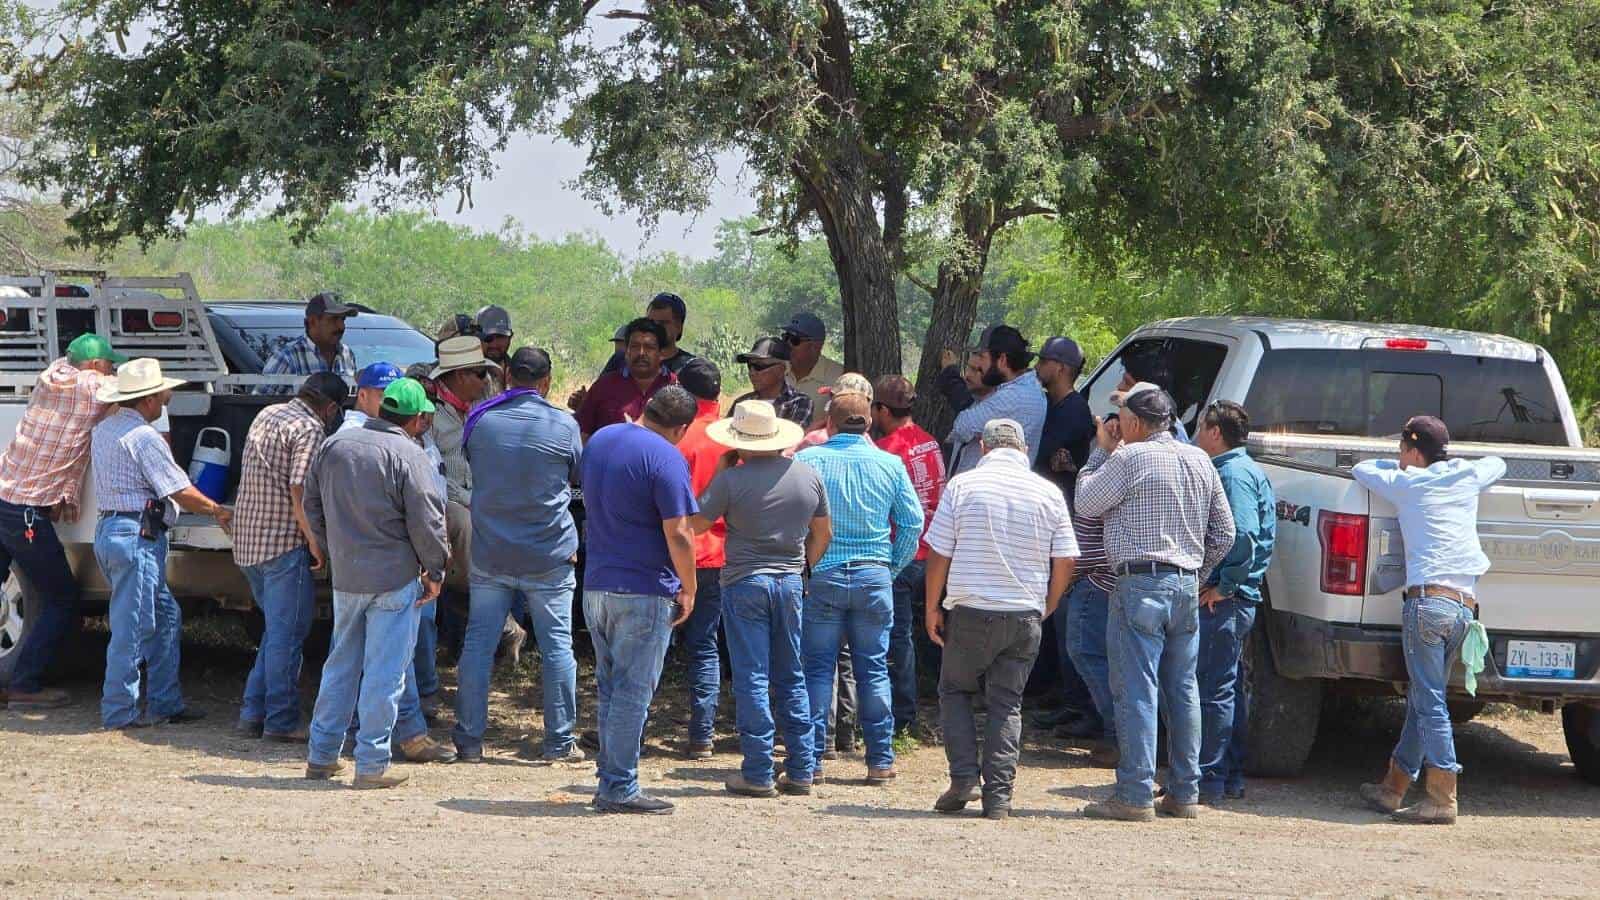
620,396
639,498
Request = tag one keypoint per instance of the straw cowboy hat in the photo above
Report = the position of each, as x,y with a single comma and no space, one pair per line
463,352
755,425
136,378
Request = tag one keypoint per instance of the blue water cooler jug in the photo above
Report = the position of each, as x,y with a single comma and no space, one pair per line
208,469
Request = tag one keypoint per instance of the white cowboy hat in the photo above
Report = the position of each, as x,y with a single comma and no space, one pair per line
136,378
461,352
755,425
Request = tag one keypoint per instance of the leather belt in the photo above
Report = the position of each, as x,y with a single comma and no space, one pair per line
1152,568
1439,590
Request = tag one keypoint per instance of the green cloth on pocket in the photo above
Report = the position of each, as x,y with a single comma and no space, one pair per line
1474,647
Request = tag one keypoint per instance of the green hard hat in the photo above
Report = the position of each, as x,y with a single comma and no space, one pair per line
89,346
406,397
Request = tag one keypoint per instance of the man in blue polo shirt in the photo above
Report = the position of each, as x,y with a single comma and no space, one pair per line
523,546
639,500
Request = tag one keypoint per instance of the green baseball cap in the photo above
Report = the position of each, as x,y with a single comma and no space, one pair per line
406,397
89,346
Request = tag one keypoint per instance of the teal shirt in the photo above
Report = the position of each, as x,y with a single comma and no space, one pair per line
868,491
1255,526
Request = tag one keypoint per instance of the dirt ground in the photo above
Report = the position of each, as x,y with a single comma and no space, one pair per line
194,809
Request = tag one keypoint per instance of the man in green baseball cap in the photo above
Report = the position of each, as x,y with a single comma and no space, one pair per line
377,540
41,480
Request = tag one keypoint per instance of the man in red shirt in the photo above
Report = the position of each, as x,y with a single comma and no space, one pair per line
895,433
621,395
701,379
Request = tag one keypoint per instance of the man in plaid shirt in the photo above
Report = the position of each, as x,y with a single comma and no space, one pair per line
1167,523
272,545
320,349
41,481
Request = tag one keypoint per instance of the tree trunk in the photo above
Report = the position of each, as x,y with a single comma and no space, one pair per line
839,191
955,306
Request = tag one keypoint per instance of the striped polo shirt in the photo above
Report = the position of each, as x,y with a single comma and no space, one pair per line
1001,524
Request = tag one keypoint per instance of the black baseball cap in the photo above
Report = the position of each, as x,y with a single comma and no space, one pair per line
328,303
325,386
494,321
1063,350
766,348
1001,339
1429,435
668,299
530,363
700,377
805,325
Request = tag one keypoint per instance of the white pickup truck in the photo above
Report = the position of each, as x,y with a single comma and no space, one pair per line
1323,396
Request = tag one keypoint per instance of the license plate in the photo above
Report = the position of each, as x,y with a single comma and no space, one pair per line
1541,659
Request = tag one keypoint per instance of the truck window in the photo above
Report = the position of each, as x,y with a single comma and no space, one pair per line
1371,393
1192,368
401,346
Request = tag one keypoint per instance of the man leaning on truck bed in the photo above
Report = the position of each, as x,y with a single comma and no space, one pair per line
41,481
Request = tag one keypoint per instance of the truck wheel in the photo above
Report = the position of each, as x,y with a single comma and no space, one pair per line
1283,712
1582,725
1464,711
19,606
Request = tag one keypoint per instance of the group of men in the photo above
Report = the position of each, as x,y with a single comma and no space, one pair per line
809,525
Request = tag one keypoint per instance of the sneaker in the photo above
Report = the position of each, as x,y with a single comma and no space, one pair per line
317,772
469,756
958,795
880,777
424,749
589,740
699,751
297,736
1169,806
1116,810
44,698
641,804
247,729
388,778
787,785
738,785
997,813
573,755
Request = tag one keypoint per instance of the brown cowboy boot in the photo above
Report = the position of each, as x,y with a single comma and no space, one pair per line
1438,807
1387,795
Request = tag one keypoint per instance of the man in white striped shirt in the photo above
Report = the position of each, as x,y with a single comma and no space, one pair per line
1001,551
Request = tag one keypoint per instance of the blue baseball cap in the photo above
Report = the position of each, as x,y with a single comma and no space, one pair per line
379,375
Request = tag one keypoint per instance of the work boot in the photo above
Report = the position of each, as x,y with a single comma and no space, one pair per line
738,784
1118,811
697,750
880,777
511,640
388,778
1168,805
1105,755
424,749
1438,806
298,736
44,698
247,729
787,785
956,797
641,804
1387,795
317,772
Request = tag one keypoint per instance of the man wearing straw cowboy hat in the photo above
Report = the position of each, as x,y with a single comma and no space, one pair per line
134,477
777,518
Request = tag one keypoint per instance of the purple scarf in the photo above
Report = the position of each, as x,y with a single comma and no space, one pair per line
477,411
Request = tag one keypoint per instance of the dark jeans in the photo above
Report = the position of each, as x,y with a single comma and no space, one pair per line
1224,709
991,653
908,594
700,650
1074,690
44,564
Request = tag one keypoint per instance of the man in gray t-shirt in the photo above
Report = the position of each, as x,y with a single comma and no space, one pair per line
777,518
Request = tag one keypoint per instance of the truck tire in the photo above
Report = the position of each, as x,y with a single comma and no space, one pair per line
1582,726
1283,711
19,606
1464,711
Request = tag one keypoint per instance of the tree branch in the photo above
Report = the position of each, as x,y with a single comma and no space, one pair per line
1013,213
627,14
932,290
1070,129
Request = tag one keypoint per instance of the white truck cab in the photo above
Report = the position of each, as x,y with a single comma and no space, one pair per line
1323,396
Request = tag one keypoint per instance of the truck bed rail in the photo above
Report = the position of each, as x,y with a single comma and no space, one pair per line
1337,454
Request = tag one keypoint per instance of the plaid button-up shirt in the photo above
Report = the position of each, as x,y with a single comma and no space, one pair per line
1162,501
790,404
44,464
277,452
132,464
300,357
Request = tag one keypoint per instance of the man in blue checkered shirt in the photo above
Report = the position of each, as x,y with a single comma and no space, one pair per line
877,522
320,349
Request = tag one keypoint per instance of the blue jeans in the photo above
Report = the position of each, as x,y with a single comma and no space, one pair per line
426,659
1224,706
547,600
908,597
1086,608
1153,632
145,624
287,599
854,602
44,564
1433,629
630,633
700,648
374,641
763,623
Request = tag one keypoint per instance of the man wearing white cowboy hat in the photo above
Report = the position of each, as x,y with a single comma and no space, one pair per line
134,476
777,518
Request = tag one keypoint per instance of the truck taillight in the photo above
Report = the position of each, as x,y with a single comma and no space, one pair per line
1344,552
1406,344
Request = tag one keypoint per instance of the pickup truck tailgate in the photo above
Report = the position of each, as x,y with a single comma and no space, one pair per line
196,532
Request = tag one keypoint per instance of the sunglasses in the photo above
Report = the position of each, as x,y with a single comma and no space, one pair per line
762,366
795,340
